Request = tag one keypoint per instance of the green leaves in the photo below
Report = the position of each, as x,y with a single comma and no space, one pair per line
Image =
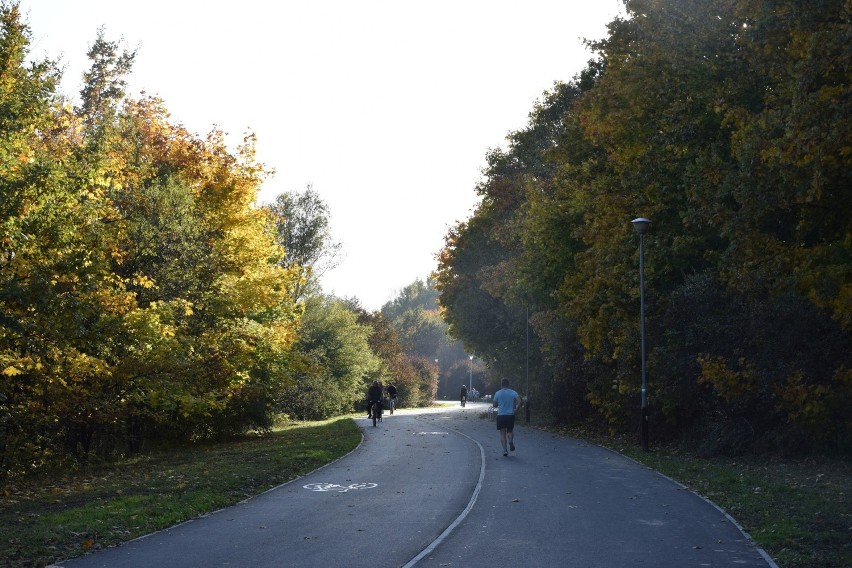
333,361
140,289
723,122
104,83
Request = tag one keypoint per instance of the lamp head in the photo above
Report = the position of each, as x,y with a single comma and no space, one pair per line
640,225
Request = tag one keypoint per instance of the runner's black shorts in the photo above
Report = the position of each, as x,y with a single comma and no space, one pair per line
506,421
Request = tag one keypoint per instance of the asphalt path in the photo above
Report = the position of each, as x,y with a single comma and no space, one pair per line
431,488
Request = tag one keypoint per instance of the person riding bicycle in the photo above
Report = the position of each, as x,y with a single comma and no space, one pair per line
373,395
463,394
392,392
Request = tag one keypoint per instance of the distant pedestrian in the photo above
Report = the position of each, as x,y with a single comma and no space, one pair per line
507,402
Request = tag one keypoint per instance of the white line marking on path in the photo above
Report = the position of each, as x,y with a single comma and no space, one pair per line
441,537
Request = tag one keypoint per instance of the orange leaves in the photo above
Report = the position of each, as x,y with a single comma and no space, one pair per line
140,281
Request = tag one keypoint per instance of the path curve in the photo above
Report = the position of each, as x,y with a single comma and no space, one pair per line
431,488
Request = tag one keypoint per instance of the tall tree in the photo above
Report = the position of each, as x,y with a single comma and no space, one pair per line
302,222
140,285
55,283
105,81
417,295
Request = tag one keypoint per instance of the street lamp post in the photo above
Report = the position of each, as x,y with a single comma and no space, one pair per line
527,409
641,225
439,376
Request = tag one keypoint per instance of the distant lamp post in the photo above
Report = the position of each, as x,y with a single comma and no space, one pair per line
641,226
470,386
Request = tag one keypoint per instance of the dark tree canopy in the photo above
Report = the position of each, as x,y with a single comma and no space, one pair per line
728,124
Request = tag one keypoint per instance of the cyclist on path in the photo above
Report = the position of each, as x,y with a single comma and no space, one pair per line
392,393
374,394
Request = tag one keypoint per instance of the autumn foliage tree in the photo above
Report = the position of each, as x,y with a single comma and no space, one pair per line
727,124
413,377
140,289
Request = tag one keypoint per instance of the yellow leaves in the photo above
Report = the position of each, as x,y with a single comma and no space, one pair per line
154,326
732,385
241,378
258,287
143,281
93,193
114,301
803,402
183,306
20,365
197,406
79,367
811,405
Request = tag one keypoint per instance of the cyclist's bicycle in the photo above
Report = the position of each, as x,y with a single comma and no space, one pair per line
463,401
391,404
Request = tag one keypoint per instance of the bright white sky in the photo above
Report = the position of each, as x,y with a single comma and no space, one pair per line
387,107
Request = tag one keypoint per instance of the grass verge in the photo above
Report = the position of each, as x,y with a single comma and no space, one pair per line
798,511
52,519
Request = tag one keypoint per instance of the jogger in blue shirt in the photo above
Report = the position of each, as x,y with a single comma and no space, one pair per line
507,402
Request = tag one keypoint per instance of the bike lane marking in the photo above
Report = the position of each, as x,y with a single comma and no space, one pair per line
325,487
290,527
447,531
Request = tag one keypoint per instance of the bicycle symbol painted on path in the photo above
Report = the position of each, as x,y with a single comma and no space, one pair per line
339,488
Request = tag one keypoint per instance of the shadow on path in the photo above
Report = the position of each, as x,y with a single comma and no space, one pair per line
431,487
